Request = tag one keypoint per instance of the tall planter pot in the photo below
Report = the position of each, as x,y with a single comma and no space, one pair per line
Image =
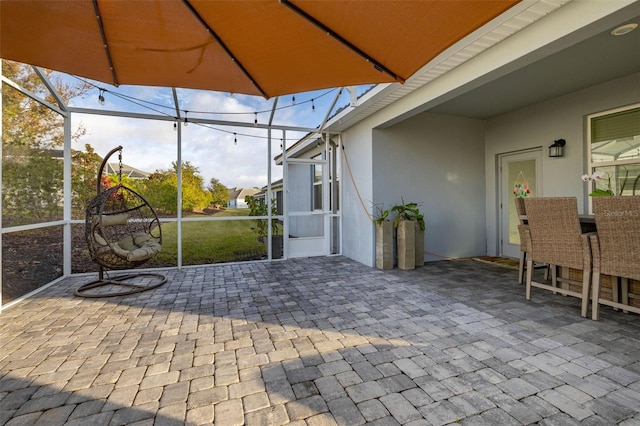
419,245
277,242
384,245
406,241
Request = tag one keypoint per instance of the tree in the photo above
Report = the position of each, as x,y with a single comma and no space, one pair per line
160,189
219,193
84,172
32,136
257,207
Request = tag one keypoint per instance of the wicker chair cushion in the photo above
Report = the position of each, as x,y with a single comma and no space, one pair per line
114,219
137,247
134,248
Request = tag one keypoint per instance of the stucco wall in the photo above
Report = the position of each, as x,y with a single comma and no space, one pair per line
357,229
437,161
538,126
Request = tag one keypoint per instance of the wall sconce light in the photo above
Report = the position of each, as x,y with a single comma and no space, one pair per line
557,148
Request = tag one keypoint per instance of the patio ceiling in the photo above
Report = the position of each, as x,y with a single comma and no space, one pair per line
264,48
594,60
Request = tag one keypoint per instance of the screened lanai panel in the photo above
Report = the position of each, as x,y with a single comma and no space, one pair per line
32,161
30,259
222,166
149,151
221,241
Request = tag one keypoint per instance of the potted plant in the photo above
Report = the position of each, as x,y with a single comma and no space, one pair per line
384,238
257,207
409,224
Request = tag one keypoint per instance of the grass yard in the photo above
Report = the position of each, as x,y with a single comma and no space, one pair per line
211,241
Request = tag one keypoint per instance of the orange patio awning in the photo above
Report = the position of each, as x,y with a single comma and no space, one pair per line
266,48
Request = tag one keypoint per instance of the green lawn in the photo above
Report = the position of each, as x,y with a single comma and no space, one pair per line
211,241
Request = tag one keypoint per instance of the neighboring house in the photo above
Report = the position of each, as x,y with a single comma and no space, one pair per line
480,118
277,191
237,196
128,171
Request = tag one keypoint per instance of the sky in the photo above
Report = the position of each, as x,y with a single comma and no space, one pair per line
236,156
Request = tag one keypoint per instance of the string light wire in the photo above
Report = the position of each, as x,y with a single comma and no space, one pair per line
146,104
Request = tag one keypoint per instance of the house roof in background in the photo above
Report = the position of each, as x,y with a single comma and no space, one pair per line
238,193
131,172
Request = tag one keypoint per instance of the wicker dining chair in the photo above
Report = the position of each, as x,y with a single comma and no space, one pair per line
525,242
557,239
616,248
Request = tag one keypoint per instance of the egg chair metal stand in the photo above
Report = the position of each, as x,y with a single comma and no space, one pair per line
122,232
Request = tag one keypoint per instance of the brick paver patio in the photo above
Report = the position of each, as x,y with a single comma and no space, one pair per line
318,341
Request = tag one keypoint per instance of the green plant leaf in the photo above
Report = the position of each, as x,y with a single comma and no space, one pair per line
601,193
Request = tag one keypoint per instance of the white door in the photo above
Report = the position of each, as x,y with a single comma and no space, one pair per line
307,207
519,176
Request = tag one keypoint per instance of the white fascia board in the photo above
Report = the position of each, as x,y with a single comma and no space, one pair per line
377,93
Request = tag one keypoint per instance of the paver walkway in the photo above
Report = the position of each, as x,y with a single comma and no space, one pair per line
318,341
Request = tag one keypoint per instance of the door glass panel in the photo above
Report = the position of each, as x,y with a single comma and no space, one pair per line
306,226
300,187
522,176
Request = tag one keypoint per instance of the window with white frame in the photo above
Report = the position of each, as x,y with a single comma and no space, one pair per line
614,150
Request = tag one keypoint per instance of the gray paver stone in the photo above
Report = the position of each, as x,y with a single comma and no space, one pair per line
330,388
175,393
345,412
200,415
364,391
274,415
306,407
400,408
207,397
55,416
324,419
171,415
441,413
410,368
373,409
565,404
517,388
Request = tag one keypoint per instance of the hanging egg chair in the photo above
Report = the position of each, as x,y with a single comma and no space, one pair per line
122,232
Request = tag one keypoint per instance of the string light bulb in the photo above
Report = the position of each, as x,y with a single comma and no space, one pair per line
175,126
313,106
186,119
101,97
293,99
235,139
255,120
